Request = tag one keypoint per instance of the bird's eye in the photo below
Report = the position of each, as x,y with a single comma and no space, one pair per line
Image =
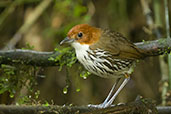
80,34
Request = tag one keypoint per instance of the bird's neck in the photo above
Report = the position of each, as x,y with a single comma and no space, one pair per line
81,50
80,47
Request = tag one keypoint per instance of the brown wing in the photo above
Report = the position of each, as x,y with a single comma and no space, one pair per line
118,46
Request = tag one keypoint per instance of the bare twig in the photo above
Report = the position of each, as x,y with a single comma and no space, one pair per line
28,23
168,37
8,11
148,14
157,12
167,18
6,3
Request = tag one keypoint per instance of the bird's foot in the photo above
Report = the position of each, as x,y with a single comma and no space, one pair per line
103,105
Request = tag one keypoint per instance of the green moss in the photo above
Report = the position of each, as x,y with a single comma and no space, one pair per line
84,74
78,90
65,89
66,57
13,78
28,46
162,41
16,61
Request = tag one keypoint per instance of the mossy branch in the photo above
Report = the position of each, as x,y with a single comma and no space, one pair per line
35,58
140,106
28,57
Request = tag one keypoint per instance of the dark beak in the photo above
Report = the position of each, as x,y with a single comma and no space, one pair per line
67,40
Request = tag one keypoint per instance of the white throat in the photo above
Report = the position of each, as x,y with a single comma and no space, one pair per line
80,47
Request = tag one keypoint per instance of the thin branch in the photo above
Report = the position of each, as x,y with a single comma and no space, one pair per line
28,23
147,13
168,37
157,12
7,3
167,18
149,20
8,11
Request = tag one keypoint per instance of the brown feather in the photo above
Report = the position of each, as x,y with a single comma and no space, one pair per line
118,46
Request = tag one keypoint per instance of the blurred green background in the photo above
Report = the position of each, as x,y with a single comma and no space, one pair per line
47,85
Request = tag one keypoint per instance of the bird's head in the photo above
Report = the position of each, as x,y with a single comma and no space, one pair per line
82,34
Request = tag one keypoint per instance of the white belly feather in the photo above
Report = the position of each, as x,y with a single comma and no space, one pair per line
91,63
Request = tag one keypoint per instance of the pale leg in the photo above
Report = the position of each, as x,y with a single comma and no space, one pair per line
117,92
108,101
111,91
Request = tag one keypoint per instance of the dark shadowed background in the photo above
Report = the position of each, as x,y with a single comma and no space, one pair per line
66,86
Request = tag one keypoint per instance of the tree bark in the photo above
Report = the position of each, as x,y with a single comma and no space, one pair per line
140,106
35,58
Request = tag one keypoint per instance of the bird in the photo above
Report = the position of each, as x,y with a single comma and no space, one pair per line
105,53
